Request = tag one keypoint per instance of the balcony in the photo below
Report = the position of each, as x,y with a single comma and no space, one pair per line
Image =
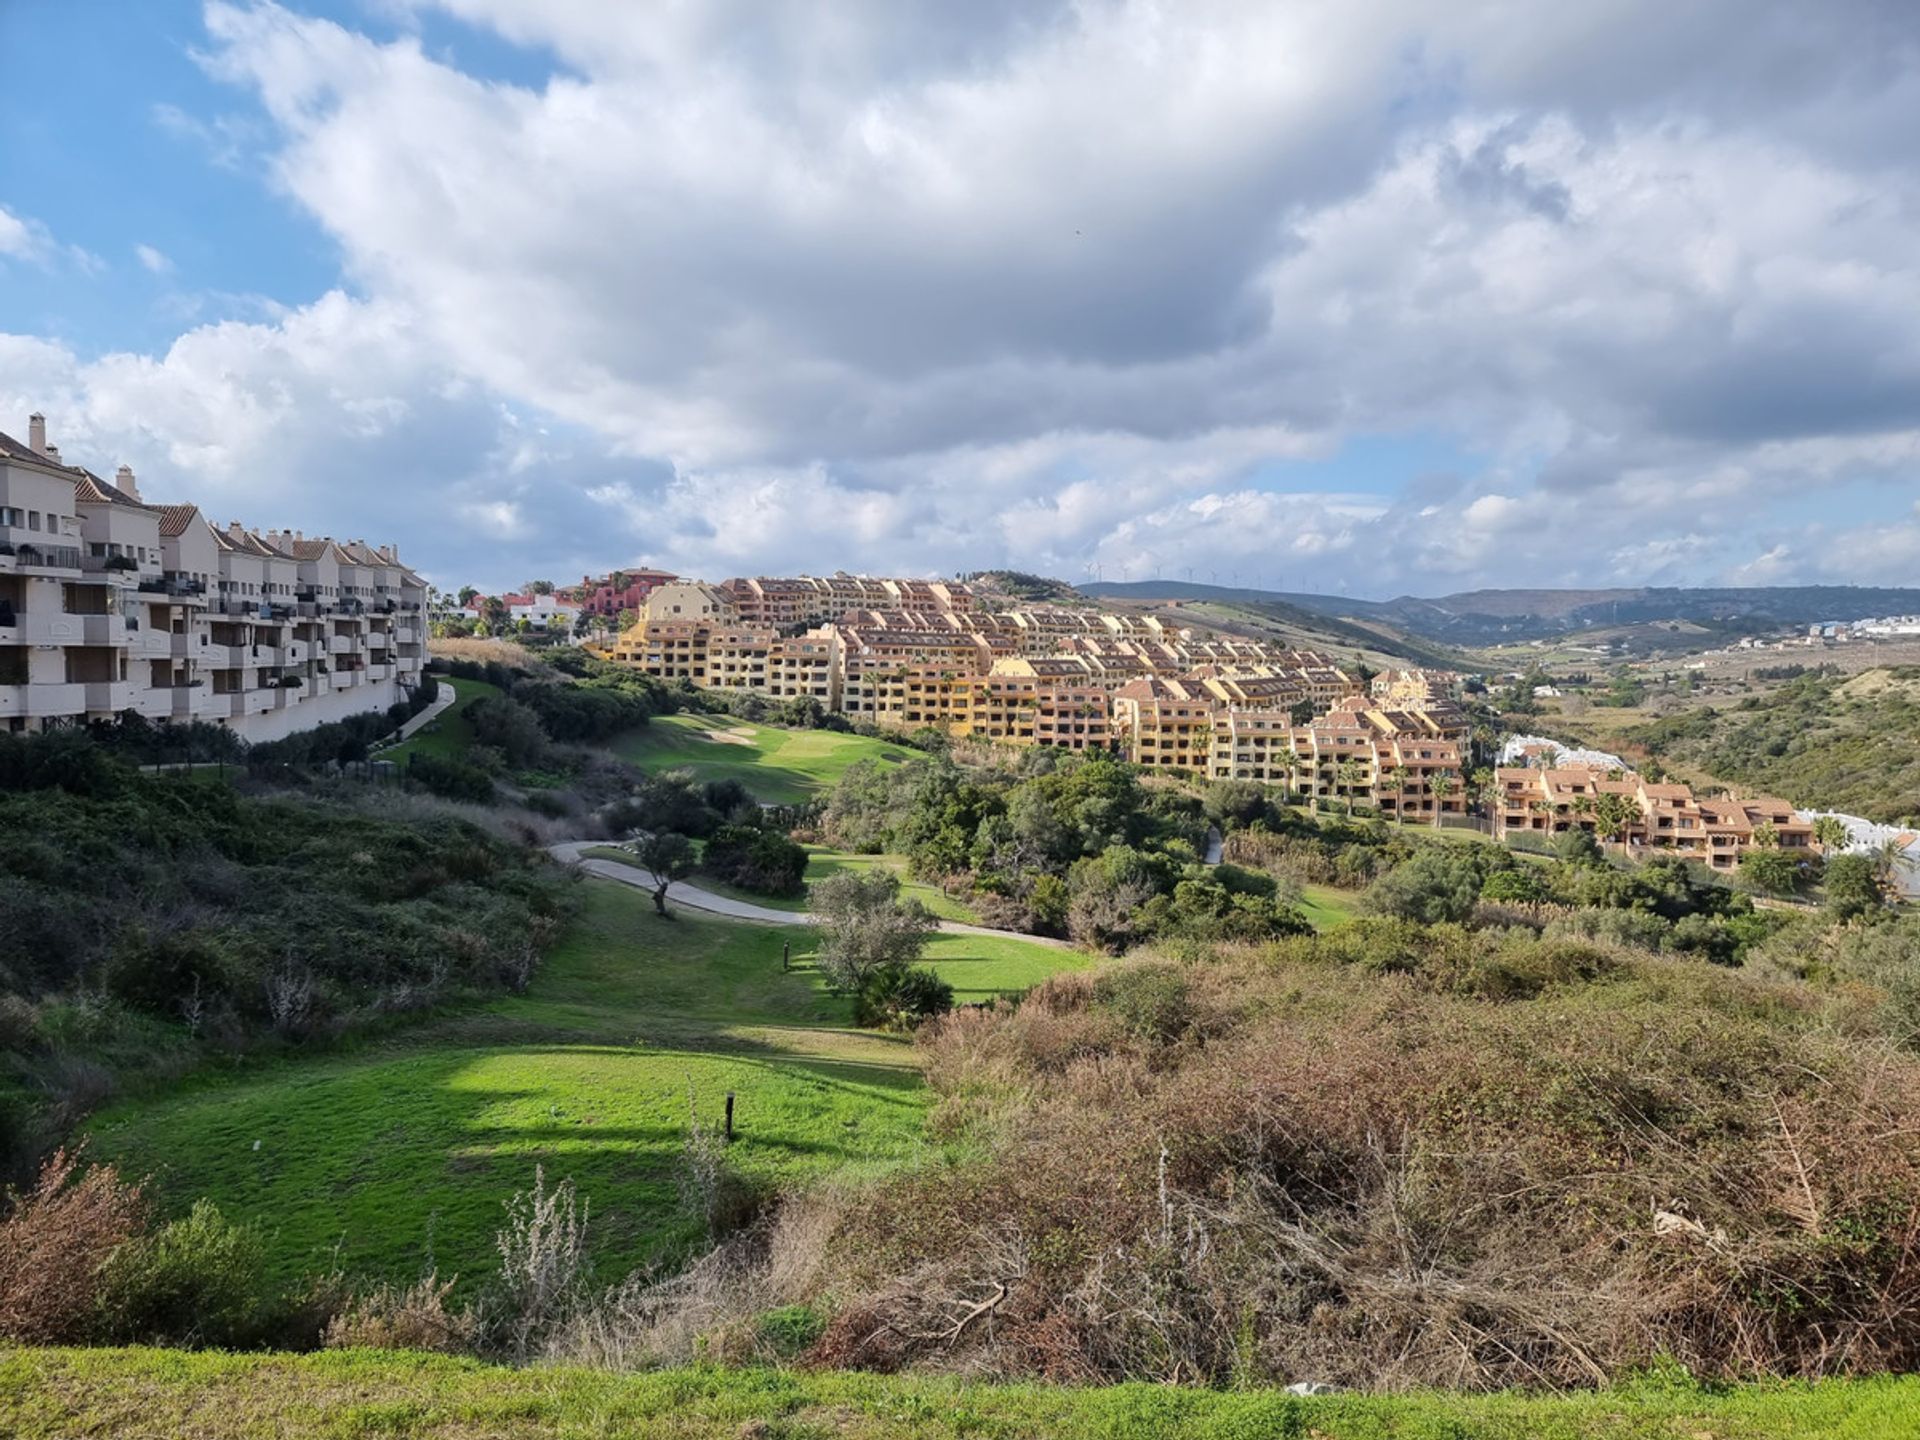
43,701
340,645
29,556
174,586
102,630
189,701
150,643
377,640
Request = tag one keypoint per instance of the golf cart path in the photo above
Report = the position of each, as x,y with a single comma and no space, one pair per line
685,892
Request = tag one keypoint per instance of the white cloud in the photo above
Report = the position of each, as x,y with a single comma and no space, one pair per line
152,260
924,286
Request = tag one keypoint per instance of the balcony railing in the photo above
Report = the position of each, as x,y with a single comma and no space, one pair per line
46,557
172,585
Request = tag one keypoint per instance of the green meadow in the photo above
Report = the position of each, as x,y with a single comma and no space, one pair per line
782,767
378,1158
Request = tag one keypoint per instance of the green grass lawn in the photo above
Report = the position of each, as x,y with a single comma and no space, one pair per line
783,767
372,1157
450,736
343,1394
1326,906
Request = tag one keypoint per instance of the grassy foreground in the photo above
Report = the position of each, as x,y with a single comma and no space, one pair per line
376,1157
783,767
342,1394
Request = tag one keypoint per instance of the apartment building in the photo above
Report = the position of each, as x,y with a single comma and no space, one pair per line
608,595
1651,816
1164,723
680,601
110,605
812,599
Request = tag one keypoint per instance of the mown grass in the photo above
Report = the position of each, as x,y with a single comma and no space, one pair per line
374,1160
1325,906
450,736
346,1393
783,767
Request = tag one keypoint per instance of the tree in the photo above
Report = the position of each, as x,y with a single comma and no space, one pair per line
1851,887
1770,871
669,856
1347,776
1577,847
1830,832
1442,787
1398,777
866,929
626,620
540,587
1439,884
1613,815
467,596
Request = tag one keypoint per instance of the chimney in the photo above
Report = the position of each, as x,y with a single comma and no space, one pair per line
52,452
123,478
37,433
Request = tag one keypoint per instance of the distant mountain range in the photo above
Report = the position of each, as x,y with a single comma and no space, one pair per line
1490,617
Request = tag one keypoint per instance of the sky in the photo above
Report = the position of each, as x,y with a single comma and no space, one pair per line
1372,298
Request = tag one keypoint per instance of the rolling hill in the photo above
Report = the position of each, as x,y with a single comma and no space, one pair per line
1492,617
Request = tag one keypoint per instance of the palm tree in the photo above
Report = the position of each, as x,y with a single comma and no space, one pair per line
1830,832
1347,777
1398,777
1613,814
1888,856
1291,759
1442,788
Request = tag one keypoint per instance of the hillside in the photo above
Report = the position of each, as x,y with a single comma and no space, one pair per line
1491,617
1821,741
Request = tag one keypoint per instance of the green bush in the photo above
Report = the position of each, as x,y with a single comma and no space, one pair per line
195,1281
449,779
790,1329
1151,1000
902,997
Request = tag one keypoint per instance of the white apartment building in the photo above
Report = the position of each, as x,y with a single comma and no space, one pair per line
109,605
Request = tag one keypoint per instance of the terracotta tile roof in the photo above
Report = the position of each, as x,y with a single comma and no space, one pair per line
90,489
174,519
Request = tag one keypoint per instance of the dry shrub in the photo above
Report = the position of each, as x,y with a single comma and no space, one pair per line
417,1317
714,1308
1539,1162
483,652
53,1243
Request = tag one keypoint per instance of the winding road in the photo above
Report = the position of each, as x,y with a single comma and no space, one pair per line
685,892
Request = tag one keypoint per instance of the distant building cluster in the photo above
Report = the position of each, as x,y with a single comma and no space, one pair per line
110,604
1618,805
907,654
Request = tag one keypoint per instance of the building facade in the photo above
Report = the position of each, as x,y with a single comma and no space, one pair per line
110,605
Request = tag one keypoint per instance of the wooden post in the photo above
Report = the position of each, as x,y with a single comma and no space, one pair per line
786,955
729,1117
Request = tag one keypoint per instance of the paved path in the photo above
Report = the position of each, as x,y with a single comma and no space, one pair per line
685,892
444,696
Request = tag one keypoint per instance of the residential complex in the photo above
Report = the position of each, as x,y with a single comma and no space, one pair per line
1619,805
110,605
908,654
